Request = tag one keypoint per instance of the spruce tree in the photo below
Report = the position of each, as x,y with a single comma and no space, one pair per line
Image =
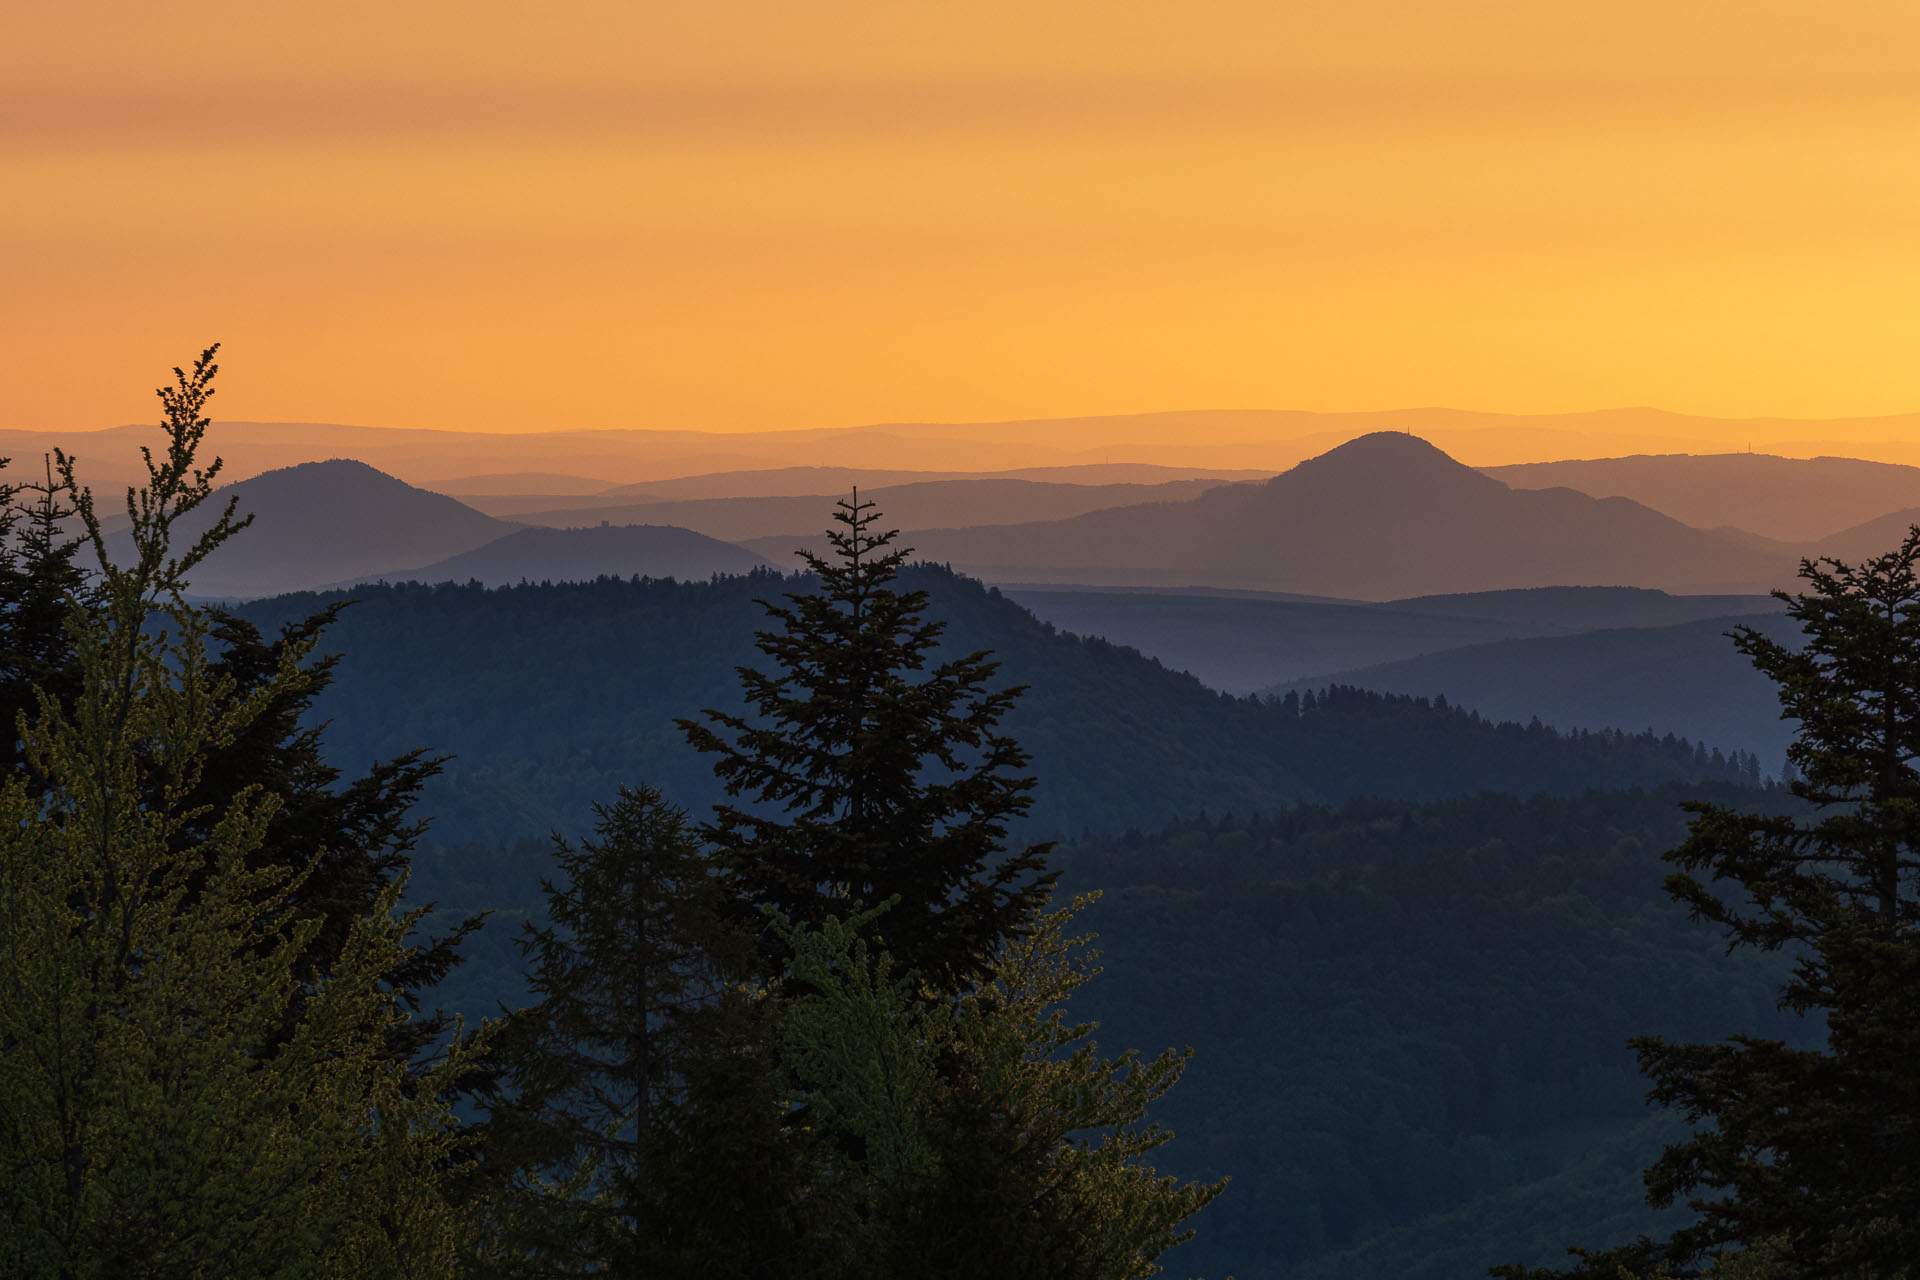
1806,1162
829,1043
39,580
593,1072
871,776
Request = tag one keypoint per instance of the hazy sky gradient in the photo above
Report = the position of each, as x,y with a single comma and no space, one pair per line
749,214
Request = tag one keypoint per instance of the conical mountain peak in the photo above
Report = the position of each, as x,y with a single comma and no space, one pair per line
1382,516
1392,458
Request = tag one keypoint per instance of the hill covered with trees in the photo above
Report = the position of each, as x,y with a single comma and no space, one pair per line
550,697
1409,1020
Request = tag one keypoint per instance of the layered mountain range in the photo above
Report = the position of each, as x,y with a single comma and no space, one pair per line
558,459
1382,563
1382,517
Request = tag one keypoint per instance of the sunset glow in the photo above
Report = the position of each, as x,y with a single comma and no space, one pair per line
751,215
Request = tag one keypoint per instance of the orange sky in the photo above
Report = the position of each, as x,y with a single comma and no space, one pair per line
760,213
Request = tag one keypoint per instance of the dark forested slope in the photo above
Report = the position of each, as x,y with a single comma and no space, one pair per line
1241,642
1404,1012
1409,1020
1687,680
551,697
581,555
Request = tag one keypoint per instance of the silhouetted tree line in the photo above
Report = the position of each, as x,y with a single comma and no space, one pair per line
551,697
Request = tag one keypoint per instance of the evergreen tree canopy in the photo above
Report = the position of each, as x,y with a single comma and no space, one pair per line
1807,1161
593,1071
39,582
871,783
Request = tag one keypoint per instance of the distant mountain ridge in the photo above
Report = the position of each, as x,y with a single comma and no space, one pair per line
1799,500
1871,538
1686,680
1242,644
323,525
1255,438
1383,516
920,505
581,555
322,522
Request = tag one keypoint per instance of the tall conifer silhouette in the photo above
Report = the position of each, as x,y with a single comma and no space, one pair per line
1806,1161
872,775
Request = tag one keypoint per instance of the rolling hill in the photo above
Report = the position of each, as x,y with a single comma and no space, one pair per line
534,483
1686,680
1238,643
1380,517
834,482
1871,538
1266,440
323,522
551,697
1799,500
921,505
581,555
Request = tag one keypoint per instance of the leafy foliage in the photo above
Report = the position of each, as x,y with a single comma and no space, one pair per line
178,1096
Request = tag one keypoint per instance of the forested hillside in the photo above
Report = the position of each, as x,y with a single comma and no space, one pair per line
1242,642
1409,1020
1404,1009
1686,680
550,697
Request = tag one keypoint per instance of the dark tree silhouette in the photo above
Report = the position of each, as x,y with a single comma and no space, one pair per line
874,776
1807,1161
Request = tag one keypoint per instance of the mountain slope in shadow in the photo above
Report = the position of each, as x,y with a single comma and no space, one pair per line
1793,499
1687,680
1382,516
1875,537
582,555
924,505
323,522
1239,643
